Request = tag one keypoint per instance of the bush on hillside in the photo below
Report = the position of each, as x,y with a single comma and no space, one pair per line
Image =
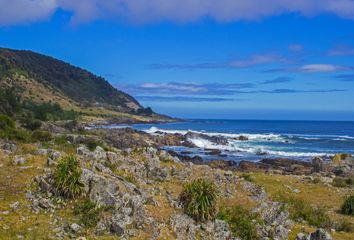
9,131
348,206
42,136
89,212
9,102
199,199
240,221
67,175
299,211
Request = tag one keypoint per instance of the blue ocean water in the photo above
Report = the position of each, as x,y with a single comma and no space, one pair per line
292,139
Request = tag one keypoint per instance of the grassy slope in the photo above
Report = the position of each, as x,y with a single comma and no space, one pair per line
319,195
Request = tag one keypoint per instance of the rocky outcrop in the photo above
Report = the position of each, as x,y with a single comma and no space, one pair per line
319,234
276,220
187,229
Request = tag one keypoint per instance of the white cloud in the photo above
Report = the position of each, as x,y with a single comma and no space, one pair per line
312,68
25,11
142,11
258,60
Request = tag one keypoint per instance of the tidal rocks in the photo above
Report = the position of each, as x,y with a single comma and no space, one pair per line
242,138
219,140
222,164
288,166
213,152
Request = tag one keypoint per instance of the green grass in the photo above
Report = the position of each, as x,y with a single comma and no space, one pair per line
342,182
9,131
67,178
348,206
300,210
248,177
240,221
88,213
42,136
199,199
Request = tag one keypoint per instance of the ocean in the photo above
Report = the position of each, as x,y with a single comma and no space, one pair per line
300,140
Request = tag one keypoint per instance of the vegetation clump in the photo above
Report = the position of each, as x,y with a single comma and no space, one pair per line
348,206
342,182
42,136
240,221
248,177
9,131
88,212
199,199
67,178
301,211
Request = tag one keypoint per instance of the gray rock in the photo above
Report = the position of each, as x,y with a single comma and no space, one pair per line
10,147
75,227
184,227
117,228
15,206
319,234
318,164
99,153
19,160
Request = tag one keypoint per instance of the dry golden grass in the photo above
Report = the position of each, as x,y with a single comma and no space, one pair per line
319,195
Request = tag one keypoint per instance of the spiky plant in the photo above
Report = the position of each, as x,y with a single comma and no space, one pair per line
348,206
199,199
67,177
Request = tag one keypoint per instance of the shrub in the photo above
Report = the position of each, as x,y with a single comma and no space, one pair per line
339,182
348,206
42,136
88,212
9,131
344,226
92,144
6,122
67,177
299,210
316,180
199,199
240,221
350,182
248,177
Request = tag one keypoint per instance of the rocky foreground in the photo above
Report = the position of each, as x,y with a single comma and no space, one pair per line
133,189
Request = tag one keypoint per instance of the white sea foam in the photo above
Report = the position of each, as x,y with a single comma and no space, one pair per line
233,147
233,136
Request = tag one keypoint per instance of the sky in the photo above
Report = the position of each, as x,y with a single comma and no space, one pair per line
225,59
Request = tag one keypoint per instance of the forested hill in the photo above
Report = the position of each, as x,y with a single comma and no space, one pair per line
43,78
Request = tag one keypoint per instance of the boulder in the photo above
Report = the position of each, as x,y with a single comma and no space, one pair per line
242,138
317,164
10,147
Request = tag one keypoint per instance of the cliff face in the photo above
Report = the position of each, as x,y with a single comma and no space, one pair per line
42,78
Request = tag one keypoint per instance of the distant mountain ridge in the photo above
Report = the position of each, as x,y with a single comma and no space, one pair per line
73,82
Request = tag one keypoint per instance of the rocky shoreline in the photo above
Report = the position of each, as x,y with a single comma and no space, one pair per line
135,185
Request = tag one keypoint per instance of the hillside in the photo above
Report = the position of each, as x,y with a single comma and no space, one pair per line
39,78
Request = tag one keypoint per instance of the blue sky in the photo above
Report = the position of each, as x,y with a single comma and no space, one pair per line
231,59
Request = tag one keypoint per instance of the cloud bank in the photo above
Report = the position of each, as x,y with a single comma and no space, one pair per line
182,11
